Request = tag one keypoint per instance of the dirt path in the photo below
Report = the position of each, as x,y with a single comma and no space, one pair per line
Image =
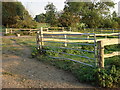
22,71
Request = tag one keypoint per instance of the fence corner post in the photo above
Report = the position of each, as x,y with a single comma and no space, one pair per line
101,54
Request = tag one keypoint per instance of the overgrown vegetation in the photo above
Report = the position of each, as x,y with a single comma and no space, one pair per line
107,77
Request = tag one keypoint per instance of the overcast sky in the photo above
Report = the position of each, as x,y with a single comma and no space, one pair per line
36,7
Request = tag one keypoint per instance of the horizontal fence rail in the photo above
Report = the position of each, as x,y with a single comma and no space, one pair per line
100,30
61,29
112,54
17,30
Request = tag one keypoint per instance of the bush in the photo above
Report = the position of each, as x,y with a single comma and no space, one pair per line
108,78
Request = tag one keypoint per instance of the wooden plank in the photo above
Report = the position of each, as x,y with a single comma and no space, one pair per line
112,54
111,41
61,32
23,29
106,34
64,40
68,32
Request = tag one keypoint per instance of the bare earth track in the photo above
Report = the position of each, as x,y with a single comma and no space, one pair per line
22,71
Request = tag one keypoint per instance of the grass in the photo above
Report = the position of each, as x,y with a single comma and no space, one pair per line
39,25
30,42
7,73
113,61
9,47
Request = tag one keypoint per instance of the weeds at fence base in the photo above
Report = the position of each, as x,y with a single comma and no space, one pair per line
107,77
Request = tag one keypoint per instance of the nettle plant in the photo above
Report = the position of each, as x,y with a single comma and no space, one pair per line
108,78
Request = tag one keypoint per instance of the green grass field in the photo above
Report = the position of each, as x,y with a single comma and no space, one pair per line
39,25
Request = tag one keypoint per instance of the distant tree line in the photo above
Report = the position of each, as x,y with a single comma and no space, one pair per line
75,14
81,15
14,15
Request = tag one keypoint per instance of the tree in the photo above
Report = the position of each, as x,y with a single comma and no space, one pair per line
90,13
40,18
51,14
116,20
8,13
114,14
68,19
15,15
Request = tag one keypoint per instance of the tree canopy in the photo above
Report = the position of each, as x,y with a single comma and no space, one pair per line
40,18
50,16
15,15
78,15
90,13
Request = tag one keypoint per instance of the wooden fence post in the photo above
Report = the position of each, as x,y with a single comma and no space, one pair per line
38,39
65,36
11,30
6,31
62,28
41,38
70,29
101,54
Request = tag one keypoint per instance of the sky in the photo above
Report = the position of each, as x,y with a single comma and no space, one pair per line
35,7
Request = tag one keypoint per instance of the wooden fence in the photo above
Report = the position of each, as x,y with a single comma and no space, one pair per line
68,39
15,30
101,54
100,30
52,29
100,42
